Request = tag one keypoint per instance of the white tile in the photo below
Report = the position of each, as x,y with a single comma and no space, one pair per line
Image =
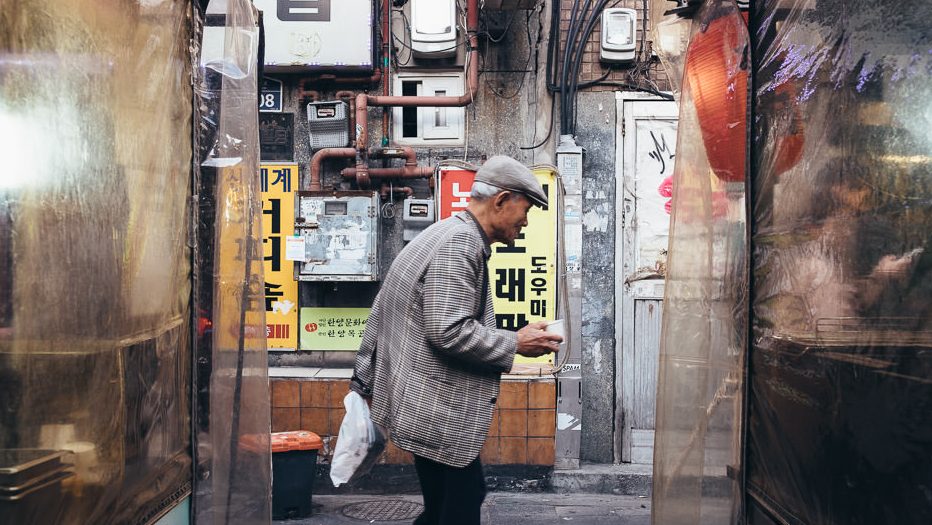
334,373
293,371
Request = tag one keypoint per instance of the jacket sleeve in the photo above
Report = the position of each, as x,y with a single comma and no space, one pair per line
452,296
364,368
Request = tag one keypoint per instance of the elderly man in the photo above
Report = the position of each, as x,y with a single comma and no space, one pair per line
431,358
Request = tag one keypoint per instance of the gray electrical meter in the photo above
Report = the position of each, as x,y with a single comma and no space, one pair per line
341,235
328,124
418,215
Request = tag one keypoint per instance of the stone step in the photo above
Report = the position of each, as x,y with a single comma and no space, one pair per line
626,479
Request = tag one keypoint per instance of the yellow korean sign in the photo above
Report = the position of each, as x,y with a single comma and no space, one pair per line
332,328
523,277
278,183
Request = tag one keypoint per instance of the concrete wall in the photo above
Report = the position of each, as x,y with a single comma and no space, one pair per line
501,123
596,133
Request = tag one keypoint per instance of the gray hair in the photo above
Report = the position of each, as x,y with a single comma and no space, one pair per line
482,191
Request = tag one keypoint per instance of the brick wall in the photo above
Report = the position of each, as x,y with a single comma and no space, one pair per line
653,75
522,429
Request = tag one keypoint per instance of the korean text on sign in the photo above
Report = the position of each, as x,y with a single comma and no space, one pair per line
281,290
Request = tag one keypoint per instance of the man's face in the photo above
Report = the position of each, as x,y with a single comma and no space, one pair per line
511,218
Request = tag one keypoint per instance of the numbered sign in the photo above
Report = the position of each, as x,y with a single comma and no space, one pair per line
270,96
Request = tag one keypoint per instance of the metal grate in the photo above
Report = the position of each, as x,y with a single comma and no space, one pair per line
384,510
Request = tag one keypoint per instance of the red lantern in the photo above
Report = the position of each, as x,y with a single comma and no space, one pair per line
717,78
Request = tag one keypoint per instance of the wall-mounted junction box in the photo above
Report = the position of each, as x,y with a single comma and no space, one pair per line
429,125
341,235
433,28
328,124
318,35
418,215
618,35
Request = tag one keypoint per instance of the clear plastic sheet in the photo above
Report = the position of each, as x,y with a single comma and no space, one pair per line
233,422
95,141
839,427
697,448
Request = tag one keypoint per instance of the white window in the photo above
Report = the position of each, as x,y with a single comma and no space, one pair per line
428,125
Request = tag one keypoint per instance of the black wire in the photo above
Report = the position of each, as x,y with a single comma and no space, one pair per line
553,105
553,45
527,62
514,14
570,93
634,87
570,41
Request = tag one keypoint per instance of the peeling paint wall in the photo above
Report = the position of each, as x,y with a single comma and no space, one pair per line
596,133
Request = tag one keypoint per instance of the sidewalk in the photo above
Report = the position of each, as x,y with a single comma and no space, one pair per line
500,508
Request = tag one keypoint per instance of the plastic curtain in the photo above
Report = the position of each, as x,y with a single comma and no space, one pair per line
840,374
95,142
697,448
233,441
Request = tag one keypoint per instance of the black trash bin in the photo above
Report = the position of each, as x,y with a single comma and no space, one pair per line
294,463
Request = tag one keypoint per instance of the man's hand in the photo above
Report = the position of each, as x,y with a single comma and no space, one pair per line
533,341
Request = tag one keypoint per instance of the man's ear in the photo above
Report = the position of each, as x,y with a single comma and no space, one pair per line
501,198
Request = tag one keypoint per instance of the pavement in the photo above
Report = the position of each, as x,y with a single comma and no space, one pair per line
500,508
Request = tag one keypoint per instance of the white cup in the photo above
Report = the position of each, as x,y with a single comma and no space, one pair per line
556,327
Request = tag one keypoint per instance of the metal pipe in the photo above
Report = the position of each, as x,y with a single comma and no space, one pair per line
396,152
350,98
388,191
401,172
363,101
318,159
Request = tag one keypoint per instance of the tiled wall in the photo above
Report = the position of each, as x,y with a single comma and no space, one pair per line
522,430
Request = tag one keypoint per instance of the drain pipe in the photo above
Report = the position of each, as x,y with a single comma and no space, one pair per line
405,172
410,170
363,101
318,159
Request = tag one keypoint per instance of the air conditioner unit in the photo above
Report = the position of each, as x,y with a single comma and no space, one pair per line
433,28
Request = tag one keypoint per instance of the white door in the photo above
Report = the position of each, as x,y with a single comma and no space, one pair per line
646,139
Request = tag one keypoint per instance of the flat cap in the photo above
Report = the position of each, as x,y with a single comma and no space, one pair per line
506,173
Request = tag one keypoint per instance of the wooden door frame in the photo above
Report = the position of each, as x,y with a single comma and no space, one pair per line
624,258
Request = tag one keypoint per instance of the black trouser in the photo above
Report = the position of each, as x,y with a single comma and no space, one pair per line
452,496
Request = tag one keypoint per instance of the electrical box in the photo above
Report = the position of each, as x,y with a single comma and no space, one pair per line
328,124
318,35
341,233
418,215
618,35
424,126
433,28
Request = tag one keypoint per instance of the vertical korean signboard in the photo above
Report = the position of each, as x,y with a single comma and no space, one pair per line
523,277
281,290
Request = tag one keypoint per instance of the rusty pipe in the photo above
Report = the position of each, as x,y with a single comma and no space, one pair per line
363,101
387,190
318,159
396,152
350,98
402,172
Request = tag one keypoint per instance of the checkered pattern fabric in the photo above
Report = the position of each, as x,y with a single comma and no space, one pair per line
431,357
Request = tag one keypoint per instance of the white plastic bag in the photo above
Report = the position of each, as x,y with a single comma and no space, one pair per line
359,444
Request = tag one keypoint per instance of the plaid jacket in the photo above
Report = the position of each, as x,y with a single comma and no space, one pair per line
431,357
